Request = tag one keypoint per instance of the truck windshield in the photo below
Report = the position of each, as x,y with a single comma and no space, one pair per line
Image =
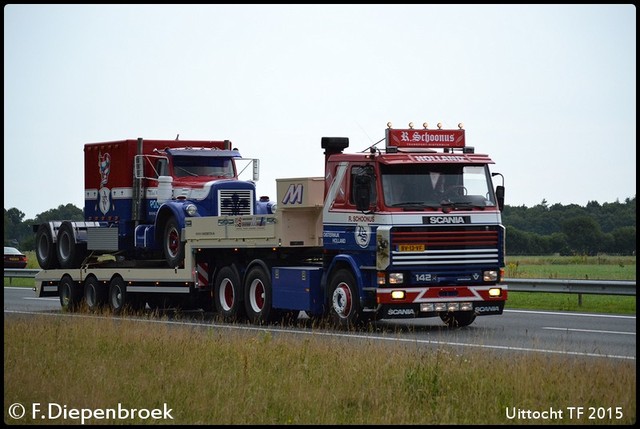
197,166
437,185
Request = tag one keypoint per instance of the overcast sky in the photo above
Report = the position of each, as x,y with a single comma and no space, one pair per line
549,92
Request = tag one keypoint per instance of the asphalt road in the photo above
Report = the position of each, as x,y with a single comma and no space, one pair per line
516,331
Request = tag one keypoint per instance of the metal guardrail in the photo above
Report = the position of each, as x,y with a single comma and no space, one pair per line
594,287
12,273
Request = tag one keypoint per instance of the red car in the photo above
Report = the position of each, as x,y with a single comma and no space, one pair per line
13,258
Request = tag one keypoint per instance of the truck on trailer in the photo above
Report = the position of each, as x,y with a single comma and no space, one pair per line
408,231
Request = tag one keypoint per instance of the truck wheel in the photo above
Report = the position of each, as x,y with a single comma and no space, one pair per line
458,319
70,294
344,303
95,294
70,254
227,293
45,248
259,297
172,245
117,295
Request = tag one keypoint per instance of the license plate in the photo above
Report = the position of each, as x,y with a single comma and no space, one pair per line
411,248
13,259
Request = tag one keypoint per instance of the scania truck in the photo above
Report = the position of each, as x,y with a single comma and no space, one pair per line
410,230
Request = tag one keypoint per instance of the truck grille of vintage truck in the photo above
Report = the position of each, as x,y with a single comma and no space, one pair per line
236,202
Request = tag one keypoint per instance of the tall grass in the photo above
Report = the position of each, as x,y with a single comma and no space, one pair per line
218,376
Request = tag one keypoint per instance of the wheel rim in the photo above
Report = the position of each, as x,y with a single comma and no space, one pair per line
173,242
91,295
43,247
256,295
65,294
116,298
342,300
65,245
226,295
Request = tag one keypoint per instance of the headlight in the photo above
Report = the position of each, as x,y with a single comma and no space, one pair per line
490,276
396,278
191,209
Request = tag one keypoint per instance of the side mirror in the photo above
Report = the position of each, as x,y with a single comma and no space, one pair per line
256,169
500,196
362,192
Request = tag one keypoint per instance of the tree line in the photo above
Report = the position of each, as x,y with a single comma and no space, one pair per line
539,230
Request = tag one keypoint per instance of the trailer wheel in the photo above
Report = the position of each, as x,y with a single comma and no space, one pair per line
172,245
70,294
458,319
70,253
120,298
259,297
95,294
45,248
344,305
227,294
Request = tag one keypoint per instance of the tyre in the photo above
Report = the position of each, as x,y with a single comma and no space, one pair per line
120,299
70,294
227,294
172,245
95,294
45,248
258,297
458,319
70,253
344,301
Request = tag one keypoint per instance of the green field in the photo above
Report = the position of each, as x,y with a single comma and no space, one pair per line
571,267
226,376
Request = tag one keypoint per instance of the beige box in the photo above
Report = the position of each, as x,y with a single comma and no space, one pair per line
304,192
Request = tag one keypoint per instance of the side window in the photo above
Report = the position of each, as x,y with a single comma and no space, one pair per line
355,171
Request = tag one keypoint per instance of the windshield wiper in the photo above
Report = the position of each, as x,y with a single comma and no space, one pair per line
415,205
190,173
463,205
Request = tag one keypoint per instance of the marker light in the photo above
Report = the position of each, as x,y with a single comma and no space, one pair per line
425,125
397,294
495,291
466,306
439,125
441,306
461,125
426,307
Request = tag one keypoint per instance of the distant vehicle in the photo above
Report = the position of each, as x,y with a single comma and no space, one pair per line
13,258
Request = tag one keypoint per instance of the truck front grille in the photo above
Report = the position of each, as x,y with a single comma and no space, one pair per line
235,202
446,246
